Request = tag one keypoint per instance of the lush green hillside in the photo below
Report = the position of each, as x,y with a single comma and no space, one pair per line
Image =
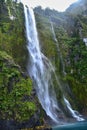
70,29
12,37
15,86
17,98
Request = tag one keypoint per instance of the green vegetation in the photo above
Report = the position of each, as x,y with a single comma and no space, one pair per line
12,36
15,91
45,36
16,98
70,29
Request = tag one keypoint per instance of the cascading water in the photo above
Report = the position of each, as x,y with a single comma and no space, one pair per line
74,113
40,68
58,48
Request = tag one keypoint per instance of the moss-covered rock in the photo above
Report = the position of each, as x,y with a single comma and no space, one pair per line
12,31
16,99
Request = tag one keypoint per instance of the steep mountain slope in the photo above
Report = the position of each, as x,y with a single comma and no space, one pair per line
70,30
77,8
18,101
69,56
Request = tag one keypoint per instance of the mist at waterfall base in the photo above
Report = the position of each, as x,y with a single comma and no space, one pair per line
40,69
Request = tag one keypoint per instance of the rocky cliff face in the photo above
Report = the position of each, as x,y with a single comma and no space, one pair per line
70,29
17,98
19,105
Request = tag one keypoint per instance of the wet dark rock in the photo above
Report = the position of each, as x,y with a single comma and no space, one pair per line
14,125
8,125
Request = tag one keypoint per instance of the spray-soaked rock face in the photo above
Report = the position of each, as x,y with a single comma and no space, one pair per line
70,30
41,70
38,70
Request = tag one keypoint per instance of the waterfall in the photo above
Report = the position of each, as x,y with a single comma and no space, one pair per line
74,113
58,48
40,68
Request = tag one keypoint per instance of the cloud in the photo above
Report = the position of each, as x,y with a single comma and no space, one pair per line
59,5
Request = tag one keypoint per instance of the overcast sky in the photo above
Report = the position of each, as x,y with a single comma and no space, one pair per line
59,5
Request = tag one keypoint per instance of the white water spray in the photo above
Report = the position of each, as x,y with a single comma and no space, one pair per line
58,48
74,113
40,68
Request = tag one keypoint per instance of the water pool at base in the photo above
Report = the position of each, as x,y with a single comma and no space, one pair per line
72,126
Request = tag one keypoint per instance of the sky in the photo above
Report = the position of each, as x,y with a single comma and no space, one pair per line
59,5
